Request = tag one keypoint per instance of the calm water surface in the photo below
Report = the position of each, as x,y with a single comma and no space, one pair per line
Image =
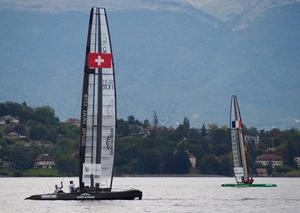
160,194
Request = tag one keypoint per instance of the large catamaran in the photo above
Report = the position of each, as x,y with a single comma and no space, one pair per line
98,120
239,154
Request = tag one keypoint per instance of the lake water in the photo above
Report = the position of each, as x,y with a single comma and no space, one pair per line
160,194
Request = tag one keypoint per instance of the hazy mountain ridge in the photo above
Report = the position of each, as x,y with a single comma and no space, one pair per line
175,63
246,11
217,62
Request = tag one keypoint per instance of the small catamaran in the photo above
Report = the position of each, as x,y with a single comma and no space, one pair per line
98,120
241,172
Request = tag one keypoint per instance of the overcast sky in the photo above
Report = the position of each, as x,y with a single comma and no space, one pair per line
221,9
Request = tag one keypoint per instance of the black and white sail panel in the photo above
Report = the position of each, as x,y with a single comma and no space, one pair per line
108,107
237,141
98,117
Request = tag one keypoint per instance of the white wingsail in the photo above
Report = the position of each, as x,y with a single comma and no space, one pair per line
237,141
98,114
98,121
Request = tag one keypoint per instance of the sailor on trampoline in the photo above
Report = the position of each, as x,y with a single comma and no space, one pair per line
71,187
59,189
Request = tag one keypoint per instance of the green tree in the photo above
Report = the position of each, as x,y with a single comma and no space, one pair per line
67,165
212,128
19,155
45,115
17,110
203,130
149,162
182,130
209,165
218,136
155,119
146,123
131,120
186,124
20,129
194,136
37,132
182,162
123,128
225,165
169,165
290,154
251,131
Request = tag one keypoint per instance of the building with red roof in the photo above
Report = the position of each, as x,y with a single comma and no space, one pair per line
269,159
44,161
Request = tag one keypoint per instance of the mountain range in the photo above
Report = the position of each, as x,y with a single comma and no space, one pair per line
179,58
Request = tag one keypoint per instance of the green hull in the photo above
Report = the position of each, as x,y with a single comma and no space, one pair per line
248,185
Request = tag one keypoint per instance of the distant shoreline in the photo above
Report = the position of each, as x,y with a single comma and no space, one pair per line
175,175
207,176
157,176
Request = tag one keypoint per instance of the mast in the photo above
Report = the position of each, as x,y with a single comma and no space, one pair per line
98,107
84,105
237,142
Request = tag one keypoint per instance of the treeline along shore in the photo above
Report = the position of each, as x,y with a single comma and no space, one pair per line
34,142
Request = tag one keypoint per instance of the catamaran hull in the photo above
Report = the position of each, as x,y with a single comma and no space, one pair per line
119,195
248,185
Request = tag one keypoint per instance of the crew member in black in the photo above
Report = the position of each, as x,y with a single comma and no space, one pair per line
71,187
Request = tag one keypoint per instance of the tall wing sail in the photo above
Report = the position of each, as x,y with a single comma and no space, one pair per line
108,109
98,110
237,141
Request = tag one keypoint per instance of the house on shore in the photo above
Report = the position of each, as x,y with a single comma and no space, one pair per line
44,161
73,121
252,139
297,160
269,159
7,165
8,119
13,134
192,159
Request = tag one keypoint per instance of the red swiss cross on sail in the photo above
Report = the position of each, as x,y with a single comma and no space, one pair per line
99,60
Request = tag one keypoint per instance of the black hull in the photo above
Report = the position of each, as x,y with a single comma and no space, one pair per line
118,195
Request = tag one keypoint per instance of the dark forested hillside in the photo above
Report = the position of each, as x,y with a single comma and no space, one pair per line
143,147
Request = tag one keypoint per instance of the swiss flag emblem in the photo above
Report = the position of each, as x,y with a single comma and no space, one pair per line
99,60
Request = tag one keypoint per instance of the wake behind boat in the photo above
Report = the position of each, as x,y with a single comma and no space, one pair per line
98,120
241,172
